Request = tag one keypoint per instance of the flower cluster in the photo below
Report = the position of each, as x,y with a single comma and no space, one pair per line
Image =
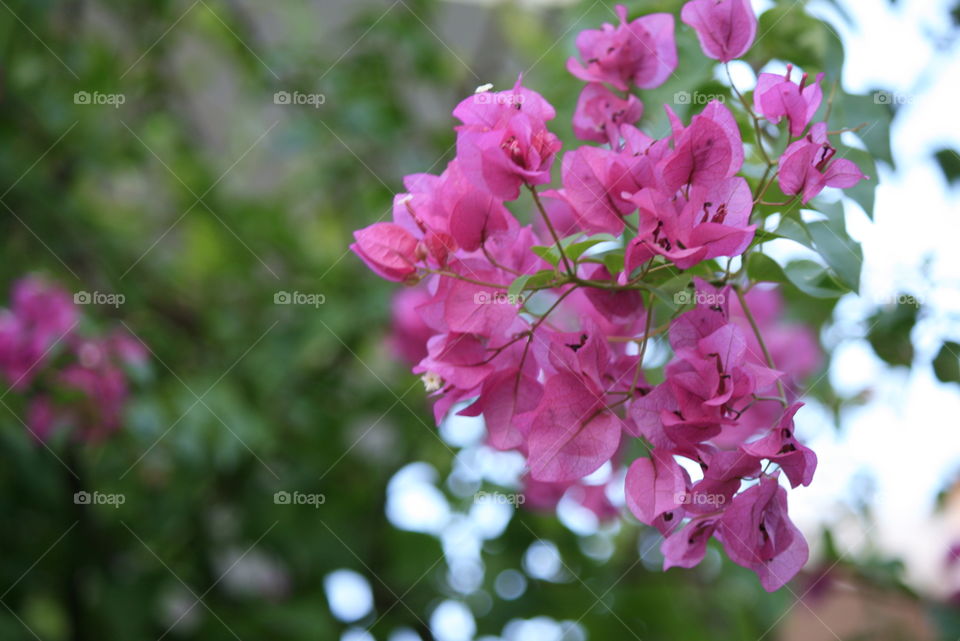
68,380
545,329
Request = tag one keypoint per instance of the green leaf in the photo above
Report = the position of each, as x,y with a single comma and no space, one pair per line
576,250
947,363
571,248
666,297
531,281
762,236
613,262
547,252
813,279
571,239
541,278
668,289
762,268
889,333
873,112
864,192
831,241
790,33
518,285
949,161
795,231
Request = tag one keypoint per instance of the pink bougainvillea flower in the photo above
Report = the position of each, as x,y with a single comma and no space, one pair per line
612,304
550,352
419,209
712,311
505,395
409,333
757,534
561,215
585,354
655,486
597,182
494,109
41,316
594,182
97,376
687,546
794,350
646,417
473,214
712,223
796,460
92,390
709,371
437,248
448,212
388,249
473,308
707,151
708,384
82,382
42,417
513,250
777,97
581,308
722,474
425,212
573,433
600,112
808,165
642,52
725,28
503,142
128,349
458,360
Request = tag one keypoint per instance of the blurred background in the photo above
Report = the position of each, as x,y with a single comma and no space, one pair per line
280,473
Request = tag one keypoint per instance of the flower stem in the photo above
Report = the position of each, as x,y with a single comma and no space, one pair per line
753,116
553,232
643,345
441,272
763,345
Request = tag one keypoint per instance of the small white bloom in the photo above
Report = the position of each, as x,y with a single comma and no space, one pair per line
431,381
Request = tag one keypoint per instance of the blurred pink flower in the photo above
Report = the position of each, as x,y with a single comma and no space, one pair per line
40,317
642,53
725,28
